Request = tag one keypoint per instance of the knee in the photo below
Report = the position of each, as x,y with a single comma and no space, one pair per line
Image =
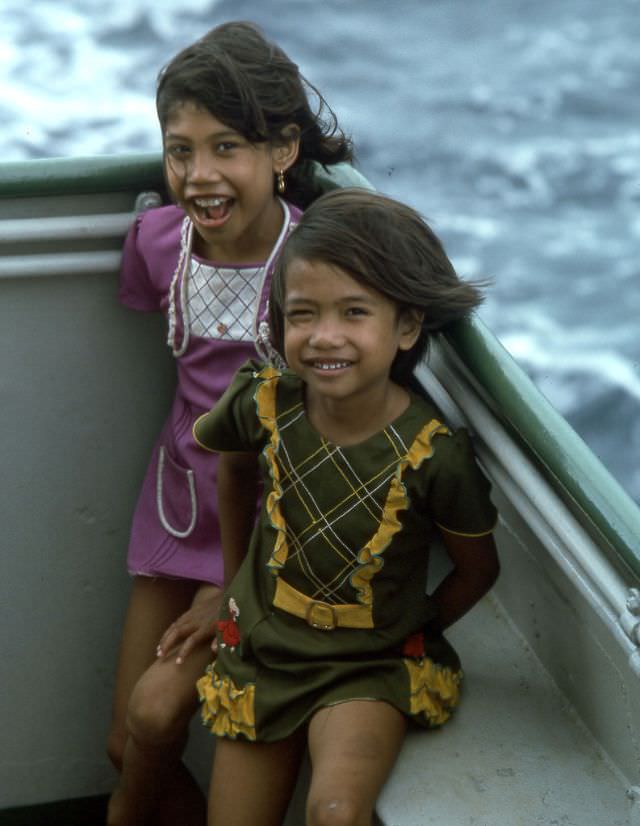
336,810
155,717
153,720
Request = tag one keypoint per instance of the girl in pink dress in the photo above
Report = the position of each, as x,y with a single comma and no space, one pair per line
239,141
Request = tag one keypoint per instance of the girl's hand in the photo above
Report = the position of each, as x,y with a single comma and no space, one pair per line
194,627
475,569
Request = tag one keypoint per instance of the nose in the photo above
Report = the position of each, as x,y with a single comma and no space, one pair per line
202,168
326,334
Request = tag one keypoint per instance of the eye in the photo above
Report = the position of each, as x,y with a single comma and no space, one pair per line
179,151
232,143
355,311
298,316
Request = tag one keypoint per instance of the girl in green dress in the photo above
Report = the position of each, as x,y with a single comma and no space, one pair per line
327,637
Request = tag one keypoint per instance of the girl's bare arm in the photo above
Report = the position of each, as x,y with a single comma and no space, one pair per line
476,568
237,498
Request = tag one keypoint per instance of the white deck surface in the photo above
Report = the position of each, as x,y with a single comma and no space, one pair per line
513,755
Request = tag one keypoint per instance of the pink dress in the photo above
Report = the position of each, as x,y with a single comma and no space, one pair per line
216,321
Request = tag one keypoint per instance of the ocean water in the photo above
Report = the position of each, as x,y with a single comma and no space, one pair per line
514,127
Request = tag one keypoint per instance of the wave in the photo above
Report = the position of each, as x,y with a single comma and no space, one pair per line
566,355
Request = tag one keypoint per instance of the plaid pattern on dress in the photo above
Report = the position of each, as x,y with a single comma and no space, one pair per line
327,495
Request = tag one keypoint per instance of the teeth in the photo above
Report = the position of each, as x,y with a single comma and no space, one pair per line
209,202
334,365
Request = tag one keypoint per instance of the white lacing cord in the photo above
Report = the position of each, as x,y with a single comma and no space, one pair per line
179,280
263,344
265,348
192,493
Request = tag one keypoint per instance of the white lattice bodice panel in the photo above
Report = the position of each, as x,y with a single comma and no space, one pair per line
221,301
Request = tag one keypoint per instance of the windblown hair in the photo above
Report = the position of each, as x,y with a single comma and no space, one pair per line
250,85
387,246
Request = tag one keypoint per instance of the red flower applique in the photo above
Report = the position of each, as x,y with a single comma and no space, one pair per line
229,630
230,633
414,646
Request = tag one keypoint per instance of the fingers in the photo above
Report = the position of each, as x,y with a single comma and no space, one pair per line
193,628
166,640
199,637
181,639
174,634
186,648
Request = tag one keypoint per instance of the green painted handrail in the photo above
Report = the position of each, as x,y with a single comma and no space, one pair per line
551,439
81,176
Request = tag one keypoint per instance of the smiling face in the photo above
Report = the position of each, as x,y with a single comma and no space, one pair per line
341,336
225,184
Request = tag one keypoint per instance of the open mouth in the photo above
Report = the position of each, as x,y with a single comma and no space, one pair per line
212,209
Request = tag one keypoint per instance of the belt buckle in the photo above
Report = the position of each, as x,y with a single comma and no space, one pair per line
321,616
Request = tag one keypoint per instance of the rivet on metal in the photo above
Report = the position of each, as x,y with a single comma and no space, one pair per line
147,200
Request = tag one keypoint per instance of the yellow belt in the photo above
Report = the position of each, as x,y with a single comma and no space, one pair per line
320,615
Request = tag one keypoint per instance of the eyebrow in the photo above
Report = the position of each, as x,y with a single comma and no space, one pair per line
361,298
213,136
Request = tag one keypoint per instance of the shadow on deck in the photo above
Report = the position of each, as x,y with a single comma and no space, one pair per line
83,811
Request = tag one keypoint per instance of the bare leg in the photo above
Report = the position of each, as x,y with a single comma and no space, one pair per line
252,783
153,703
353,747
153,775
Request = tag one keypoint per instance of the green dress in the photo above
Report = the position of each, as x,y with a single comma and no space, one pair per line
329,604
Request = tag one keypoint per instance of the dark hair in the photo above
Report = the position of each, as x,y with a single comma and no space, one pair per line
387,246
249,84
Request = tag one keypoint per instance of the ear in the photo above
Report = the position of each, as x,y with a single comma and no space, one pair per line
409,326
285,151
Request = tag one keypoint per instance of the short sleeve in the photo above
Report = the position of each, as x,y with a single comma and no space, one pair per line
233,423
459,494
137,290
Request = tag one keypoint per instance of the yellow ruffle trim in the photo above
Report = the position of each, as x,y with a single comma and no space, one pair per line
422,447
266,402
435,690
370,555
227,711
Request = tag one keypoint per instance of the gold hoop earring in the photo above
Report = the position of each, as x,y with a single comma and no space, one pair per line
281,183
